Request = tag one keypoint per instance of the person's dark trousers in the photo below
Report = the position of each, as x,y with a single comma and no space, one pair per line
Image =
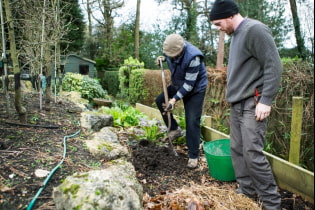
252,169
193,105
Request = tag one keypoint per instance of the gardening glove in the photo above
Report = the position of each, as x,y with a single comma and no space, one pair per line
169,106
162,58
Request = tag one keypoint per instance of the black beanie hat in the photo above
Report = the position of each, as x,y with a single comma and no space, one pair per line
223,9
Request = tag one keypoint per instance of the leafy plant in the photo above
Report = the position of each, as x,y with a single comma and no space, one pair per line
153,130
152,133
34,119
123,117
88,87
181,121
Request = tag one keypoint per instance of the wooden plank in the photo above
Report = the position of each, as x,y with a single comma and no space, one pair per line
210,134
149,111
292,177
288,176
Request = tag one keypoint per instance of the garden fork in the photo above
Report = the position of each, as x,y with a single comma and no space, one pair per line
167,112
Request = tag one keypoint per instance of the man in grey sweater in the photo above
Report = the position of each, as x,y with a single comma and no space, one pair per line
253,79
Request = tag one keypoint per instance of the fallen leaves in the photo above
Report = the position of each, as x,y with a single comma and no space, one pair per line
200,197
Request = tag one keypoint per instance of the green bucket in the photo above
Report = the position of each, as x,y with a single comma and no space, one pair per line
218,155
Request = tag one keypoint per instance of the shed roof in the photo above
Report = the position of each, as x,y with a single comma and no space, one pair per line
79,57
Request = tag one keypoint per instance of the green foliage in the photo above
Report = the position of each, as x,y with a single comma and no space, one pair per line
191,32
221,127
137,91
297,80
75,24
111,82
149,52
181,121
287,53
124,117
270,13
123,46
287,61
152,132
101,64
88,87
125,72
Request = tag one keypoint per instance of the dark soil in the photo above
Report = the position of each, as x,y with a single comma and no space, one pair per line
39,145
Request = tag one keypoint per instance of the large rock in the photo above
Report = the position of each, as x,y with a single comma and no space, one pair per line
95,121
107,150
75,97
105,145
115,187
112,188
106,134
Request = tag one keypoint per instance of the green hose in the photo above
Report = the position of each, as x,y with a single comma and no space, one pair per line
31,204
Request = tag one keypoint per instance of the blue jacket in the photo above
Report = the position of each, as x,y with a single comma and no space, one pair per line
188,72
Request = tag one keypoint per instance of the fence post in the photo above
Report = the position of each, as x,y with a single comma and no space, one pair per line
296,128
208,121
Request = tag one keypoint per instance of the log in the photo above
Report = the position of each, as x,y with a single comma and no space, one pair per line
102,102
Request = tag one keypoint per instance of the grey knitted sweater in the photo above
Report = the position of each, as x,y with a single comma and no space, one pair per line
254,62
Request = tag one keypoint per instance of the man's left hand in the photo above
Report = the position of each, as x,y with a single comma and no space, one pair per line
170,105
262,111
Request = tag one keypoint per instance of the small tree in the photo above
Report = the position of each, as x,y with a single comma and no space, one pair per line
297,29
16,67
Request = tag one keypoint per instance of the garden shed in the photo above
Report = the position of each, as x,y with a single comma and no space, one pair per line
76,64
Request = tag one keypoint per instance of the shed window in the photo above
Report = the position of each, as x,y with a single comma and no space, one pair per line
84,69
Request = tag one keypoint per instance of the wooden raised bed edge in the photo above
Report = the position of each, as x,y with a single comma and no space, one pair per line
288,176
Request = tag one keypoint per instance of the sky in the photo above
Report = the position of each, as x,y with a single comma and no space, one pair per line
152,13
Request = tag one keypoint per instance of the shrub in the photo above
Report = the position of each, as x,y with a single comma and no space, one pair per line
297,80
125,72
137,91
111,82
88,87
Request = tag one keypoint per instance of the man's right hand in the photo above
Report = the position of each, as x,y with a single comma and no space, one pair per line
262,111
157,61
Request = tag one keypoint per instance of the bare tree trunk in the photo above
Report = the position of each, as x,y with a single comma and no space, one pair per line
4,74
42,48
57,50
89,14
16,68
61,72
58,71
191,21
107,9
137,29
220,55
48,92
298,35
